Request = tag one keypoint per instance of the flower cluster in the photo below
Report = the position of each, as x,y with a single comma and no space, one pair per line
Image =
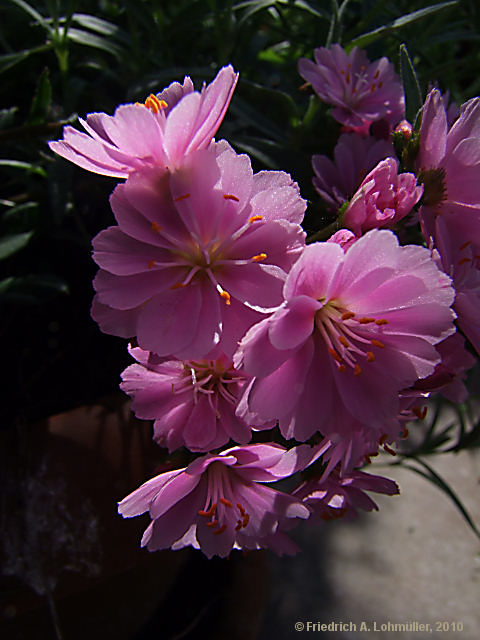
239,323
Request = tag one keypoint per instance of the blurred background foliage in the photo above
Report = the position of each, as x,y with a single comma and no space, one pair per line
60,58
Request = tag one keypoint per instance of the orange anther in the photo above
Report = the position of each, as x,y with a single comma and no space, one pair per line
246,520
465,245
241,509
239,525
177,285
420,412
259,257
382,438
357,370
376,74
464,260
221,530
334,355
380,84
377,343
213,523
389,450
180,198
156,227
365,320
370,356
343,341
381,321
341,368
226,296
255,218
226,502
151,264
229,196
347,315
372,88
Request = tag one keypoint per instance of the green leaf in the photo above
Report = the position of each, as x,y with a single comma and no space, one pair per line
26,166
437,480
367,38
34,14
14,242
41,100
411,86
7,116
100,26
97,42
32,289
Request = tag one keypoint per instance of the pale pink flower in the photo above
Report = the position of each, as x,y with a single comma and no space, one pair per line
193,403
218,504
351,323
343,237
197,253
384,197
341,496
354,157
159,133
361,91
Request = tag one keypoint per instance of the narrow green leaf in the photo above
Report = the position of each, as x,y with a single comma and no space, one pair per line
411,86
437,480
12,243
97,25
32,289
34,14
41,100
97,42
26,166
367,38
5,284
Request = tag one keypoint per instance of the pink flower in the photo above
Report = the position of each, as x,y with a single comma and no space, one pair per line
217,504
354,157
192,402
351,324
384,198
451,371
448,164
159,133
361,91
197,253
341,496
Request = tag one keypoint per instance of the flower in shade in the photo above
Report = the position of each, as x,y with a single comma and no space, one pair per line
192,402
218,504
158,133
354,157
197,254
361,91
448,165
341,496
384,197
351,323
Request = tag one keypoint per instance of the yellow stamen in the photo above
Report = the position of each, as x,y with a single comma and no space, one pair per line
226,502
226,296
347,315
343,341
259,257
381,321
229,196
370,356
255,218
365,320
377,343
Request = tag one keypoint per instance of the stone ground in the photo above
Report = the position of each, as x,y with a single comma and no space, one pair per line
415,561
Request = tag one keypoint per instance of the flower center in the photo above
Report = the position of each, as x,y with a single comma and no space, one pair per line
153,103
221,509
434,187
349,339
214,380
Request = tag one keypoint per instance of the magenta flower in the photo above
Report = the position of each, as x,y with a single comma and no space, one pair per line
361,91
217,504
354,157
351,323
384,197
341,496
193,403
159,133
196,253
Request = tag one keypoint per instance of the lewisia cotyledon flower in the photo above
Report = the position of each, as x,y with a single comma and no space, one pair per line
384,197
193,402
341,496
197,254
354,330
159,133
361,91
354,157
218,504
